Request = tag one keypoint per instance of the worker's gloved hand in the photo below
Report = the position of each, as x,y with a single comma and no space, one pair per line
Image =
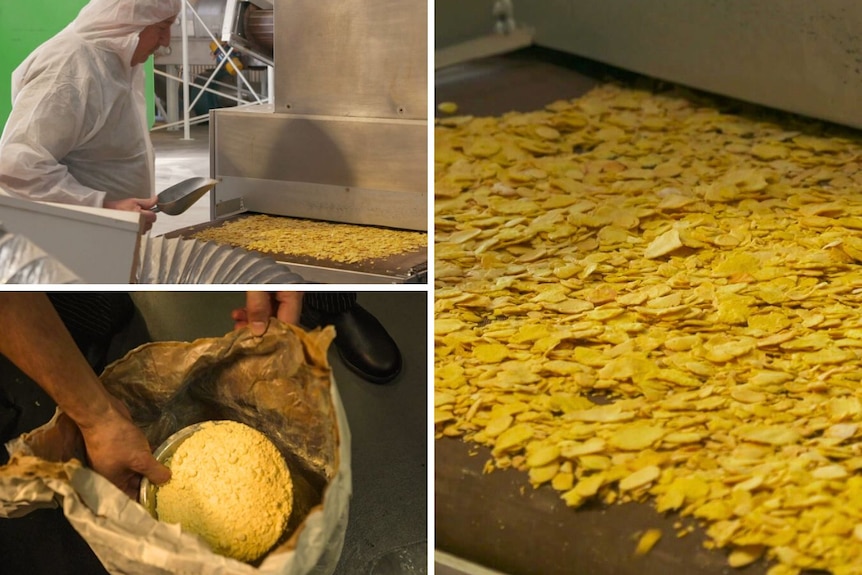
118,450
136,205
260,306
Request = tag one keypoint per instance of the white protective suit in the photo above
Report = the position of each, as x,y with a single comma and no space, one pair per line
78,131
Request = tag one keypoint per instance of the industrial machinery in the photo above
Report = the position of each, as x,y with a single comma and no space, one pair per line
344,139
796,56
216,74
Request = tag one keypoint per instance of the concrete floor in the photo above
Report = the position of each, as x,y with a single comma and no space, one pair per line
176,160
387,529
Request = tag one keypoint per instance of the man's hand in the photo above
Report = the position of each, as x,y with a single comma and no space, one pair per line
260,306
136,205
119,451
40,345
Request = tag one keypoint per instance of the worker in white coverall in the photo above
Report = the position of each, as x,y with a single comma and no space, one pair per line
78,133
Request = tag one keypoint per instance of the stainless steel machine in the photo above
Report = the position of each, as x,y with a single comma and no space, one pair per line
344,139
795,56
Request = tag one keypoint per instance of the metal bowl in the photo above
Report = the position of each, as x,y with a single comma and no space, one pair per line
163,454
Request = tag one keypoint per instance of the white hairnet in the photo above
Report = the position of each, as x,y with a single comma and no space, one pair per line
116,24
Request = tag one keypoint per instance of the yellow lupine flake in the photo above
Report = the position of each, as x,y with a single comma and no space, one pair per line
734,309
543,455
482,147
513,438
769,151
444,326
682,343
812,341
627,367
546,133
723,349
573,498
647,541
769,434
635,437
592,445
680,437
563,481
602,413
594,462
590,485
530,333
830,472
677,377
844,408
447,107
442,415
715,509
769,322
498,425
543,474
639,478
491,352
742,556
664,244
746,394
590,356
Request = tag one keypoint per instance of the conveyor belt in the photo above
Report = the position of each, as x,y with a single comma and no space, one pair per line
498,520
403,267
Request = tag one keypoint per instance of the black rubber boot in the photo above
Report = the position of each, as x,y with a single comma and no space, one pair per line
363,344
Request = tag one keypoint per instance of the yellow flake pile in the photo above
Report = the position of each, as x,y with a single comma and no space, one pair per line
230,485
645,296
345,243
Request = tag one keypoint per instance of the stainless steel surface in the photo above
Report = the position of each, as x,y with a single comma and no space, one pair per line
74,234
178,159
181,196
23,262
365,58
446,564
478,29
325,275
370,172
456,21
796,55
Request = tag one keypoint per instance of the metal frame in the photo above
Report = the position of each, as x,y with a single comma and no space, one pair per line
187,120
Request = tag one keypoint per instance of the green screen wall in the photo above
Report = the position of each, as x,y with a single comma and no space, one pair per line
26,24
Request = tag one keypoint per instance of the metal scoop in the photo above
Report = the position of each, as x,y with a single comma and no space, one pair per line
179,197
147,491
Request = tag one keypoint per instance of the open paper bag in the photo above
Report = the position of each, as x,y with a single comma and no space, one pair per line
279,383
